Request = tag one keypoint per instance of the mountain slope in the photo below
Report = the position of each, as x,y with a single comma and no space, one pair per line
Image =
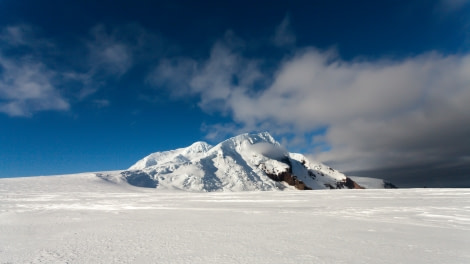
248,162
373,183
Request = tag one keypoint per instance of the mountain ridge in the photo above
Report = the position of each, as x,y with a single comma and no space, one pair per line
247,162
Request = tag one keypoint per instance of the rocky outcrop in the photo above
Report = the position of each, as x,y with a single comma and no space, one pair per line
289,178
352,184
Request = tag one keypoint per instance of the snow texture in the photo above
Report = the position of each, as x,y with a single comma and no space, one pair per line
241,163
101,218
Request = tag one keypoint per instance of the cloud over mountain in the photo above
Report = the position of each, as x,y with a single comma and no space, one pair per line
385,92
377,113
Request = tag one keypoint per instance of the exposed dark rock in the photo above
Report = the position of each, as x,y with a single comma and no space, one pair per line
348,183
389,185
289,178
301,186
352,184
312,174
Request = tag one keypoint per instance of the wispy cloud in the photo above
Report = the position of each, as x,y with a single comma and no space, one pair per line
214,79
108,52
32,78
22,35
100,103
284,36
26,84
116,49
27,87
15,35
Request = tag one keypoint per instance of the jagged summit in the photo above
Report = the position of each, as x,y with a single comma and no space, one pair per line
247,162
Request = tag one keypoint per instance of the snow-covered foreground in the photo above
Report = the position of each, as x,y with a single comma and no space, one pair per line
85,219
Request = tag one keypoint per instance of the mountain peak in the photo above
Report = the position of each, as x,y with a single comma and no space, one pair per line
246,140
198,147
247,162
264,137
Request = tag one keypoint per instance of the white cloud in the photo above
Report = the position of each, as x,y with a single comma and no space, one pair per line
27,87
377,113
174,74
214,80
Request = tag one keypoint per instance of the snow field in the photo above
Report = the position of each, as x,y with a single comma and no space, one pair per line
85,219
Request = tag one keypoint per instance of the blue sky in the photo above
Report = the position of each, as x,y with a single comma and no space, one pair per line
370,87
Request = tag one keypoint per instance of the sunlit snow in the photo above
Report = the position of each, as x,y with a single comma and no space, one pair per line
240,163
86,219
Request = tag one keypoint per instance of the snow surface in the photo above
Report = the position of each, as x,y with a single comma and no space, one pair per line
240,163
369,183
101,218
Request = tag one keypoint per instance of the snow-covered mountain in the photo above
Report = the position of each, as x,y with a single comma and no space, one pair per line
373,183
248,162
